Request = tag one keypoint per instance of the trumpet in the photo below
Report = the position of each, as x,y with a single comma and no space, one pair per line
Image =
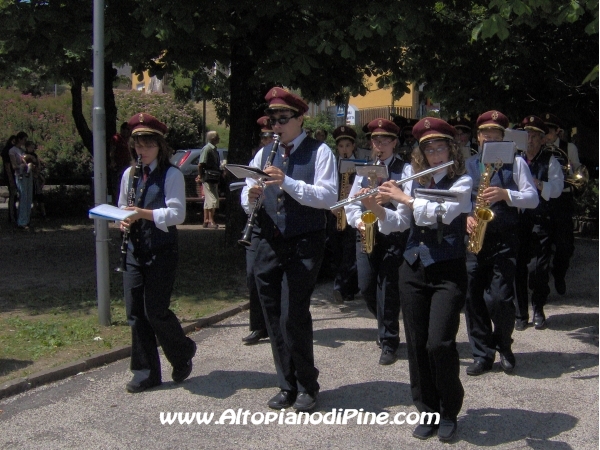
375,191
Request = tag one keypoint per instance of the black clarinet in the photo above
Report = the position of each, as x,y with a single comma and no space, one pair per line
130,202
247,234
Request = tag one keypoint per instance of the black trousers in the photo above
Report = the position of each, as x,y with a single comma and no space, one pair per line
257,318
432,298
148,285
561,233
344,247
533,264
378,283
286,271
490,309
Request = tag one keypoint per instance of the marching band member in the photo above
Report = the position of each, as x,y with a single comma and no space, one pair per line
345,284
463,129
433,278
378,271
534,228
258,329
289,239
490,310
158,200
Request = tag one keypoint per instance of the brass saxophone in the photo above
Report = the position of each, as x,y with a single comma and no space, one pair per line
482,212
369,219
344,191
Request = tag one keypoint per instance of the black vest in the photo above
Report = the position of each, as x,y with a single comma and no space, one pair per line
280,213
505,217
145,237
422,241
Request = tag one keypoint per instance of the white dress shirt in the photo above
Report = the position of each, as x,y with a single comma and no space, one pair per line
174,212
320,195
423,210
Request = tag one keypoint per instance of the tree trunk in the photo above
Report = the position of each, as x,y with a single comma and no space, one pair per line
77,111
240,138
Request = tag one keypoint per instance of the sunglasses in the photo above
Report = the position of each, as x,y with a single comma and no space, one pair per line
280,120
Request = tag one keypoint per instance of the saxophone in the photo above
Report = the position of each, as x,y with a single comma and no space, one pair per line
482,212
369,219
341,214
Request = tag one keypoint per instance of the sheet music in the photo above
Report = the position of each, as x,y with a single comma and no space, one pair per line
435,195
381,171
109,212
519,137
240,171
498,151
348,165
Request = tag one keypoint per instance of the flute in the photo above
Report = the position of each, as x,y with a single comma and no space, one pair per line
375,191
130,202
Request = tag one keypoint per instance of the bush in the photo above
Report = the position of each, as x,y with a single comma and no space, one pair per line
183,119
48,121
586,201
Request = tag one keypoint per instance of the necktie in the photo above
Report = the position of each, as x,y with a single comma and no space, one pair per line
288,148
146,173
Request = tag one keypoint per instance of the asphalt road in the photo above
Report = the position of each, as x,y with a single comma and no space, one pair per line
550,402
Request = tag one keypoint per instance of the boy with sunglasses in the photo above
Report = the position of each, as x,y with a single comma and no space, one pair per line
289,240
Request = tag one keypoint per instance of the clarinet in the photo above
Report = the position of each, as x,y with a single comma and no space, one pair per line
247,234
130,202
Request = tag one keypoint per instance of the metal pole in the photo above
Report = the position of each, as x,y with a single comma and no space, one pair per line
99,130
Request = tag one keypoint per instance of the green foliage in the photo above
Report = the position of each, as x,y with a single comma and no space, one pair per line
48,122
184,120
322,121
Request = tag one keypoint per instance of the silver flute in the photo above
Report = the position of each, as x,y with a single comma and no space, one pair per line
375,191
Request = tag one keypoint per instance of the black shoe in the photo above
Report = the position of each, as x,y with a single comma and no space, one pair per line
181,373
378,342
560,285
507,361
424,431
338,297
447,430
539,320
254,337
305,401
521,324
477,368
134,387
388,357
283,400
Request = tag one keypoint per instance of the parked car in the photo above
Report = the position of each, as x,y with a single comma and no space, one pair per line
187,161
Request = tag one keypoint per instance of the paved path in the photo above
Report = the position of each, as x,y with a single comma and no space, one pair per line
551,401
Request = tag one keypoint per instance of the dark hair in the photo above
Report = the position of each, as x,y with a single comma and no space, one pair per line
21,135
124,125
10,143
420,163
164,151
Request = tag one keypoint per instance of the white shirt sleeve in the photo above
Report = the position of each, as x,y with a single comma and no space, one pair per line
354,210
555,184
573,154
398,220
323,193
526,196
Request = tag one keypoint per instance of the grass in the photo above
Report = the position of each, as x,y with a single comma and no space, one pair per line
53,323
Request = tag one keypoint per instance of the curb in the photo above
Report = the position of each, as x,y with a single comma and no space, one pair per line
21,385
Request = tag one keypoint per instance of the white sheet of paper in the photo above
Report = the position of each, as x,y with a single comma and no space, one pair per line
240,171
519,137
498,151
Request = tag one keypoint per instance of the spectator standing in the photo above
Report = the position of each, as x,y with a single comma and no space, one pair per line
38,179
209,174
23,180
10,179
